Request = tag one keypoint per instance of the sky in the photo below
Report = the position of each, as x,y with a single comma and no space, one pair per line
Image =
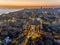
29,2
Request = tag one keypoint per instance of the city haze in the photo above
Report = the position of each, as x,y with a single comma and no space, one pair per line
29,2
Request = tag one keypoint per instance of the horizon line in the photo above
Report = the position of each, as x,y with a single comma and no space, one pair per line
29,5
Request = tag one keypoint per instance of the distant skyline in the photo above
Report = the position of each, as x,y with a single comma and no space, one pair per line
29,2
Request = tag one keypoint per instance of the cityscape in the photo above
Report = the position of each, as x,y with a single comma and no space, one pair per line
30,26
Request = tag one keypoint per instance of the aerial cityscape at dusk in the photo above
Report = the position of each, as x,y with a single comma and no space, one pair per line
29,22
